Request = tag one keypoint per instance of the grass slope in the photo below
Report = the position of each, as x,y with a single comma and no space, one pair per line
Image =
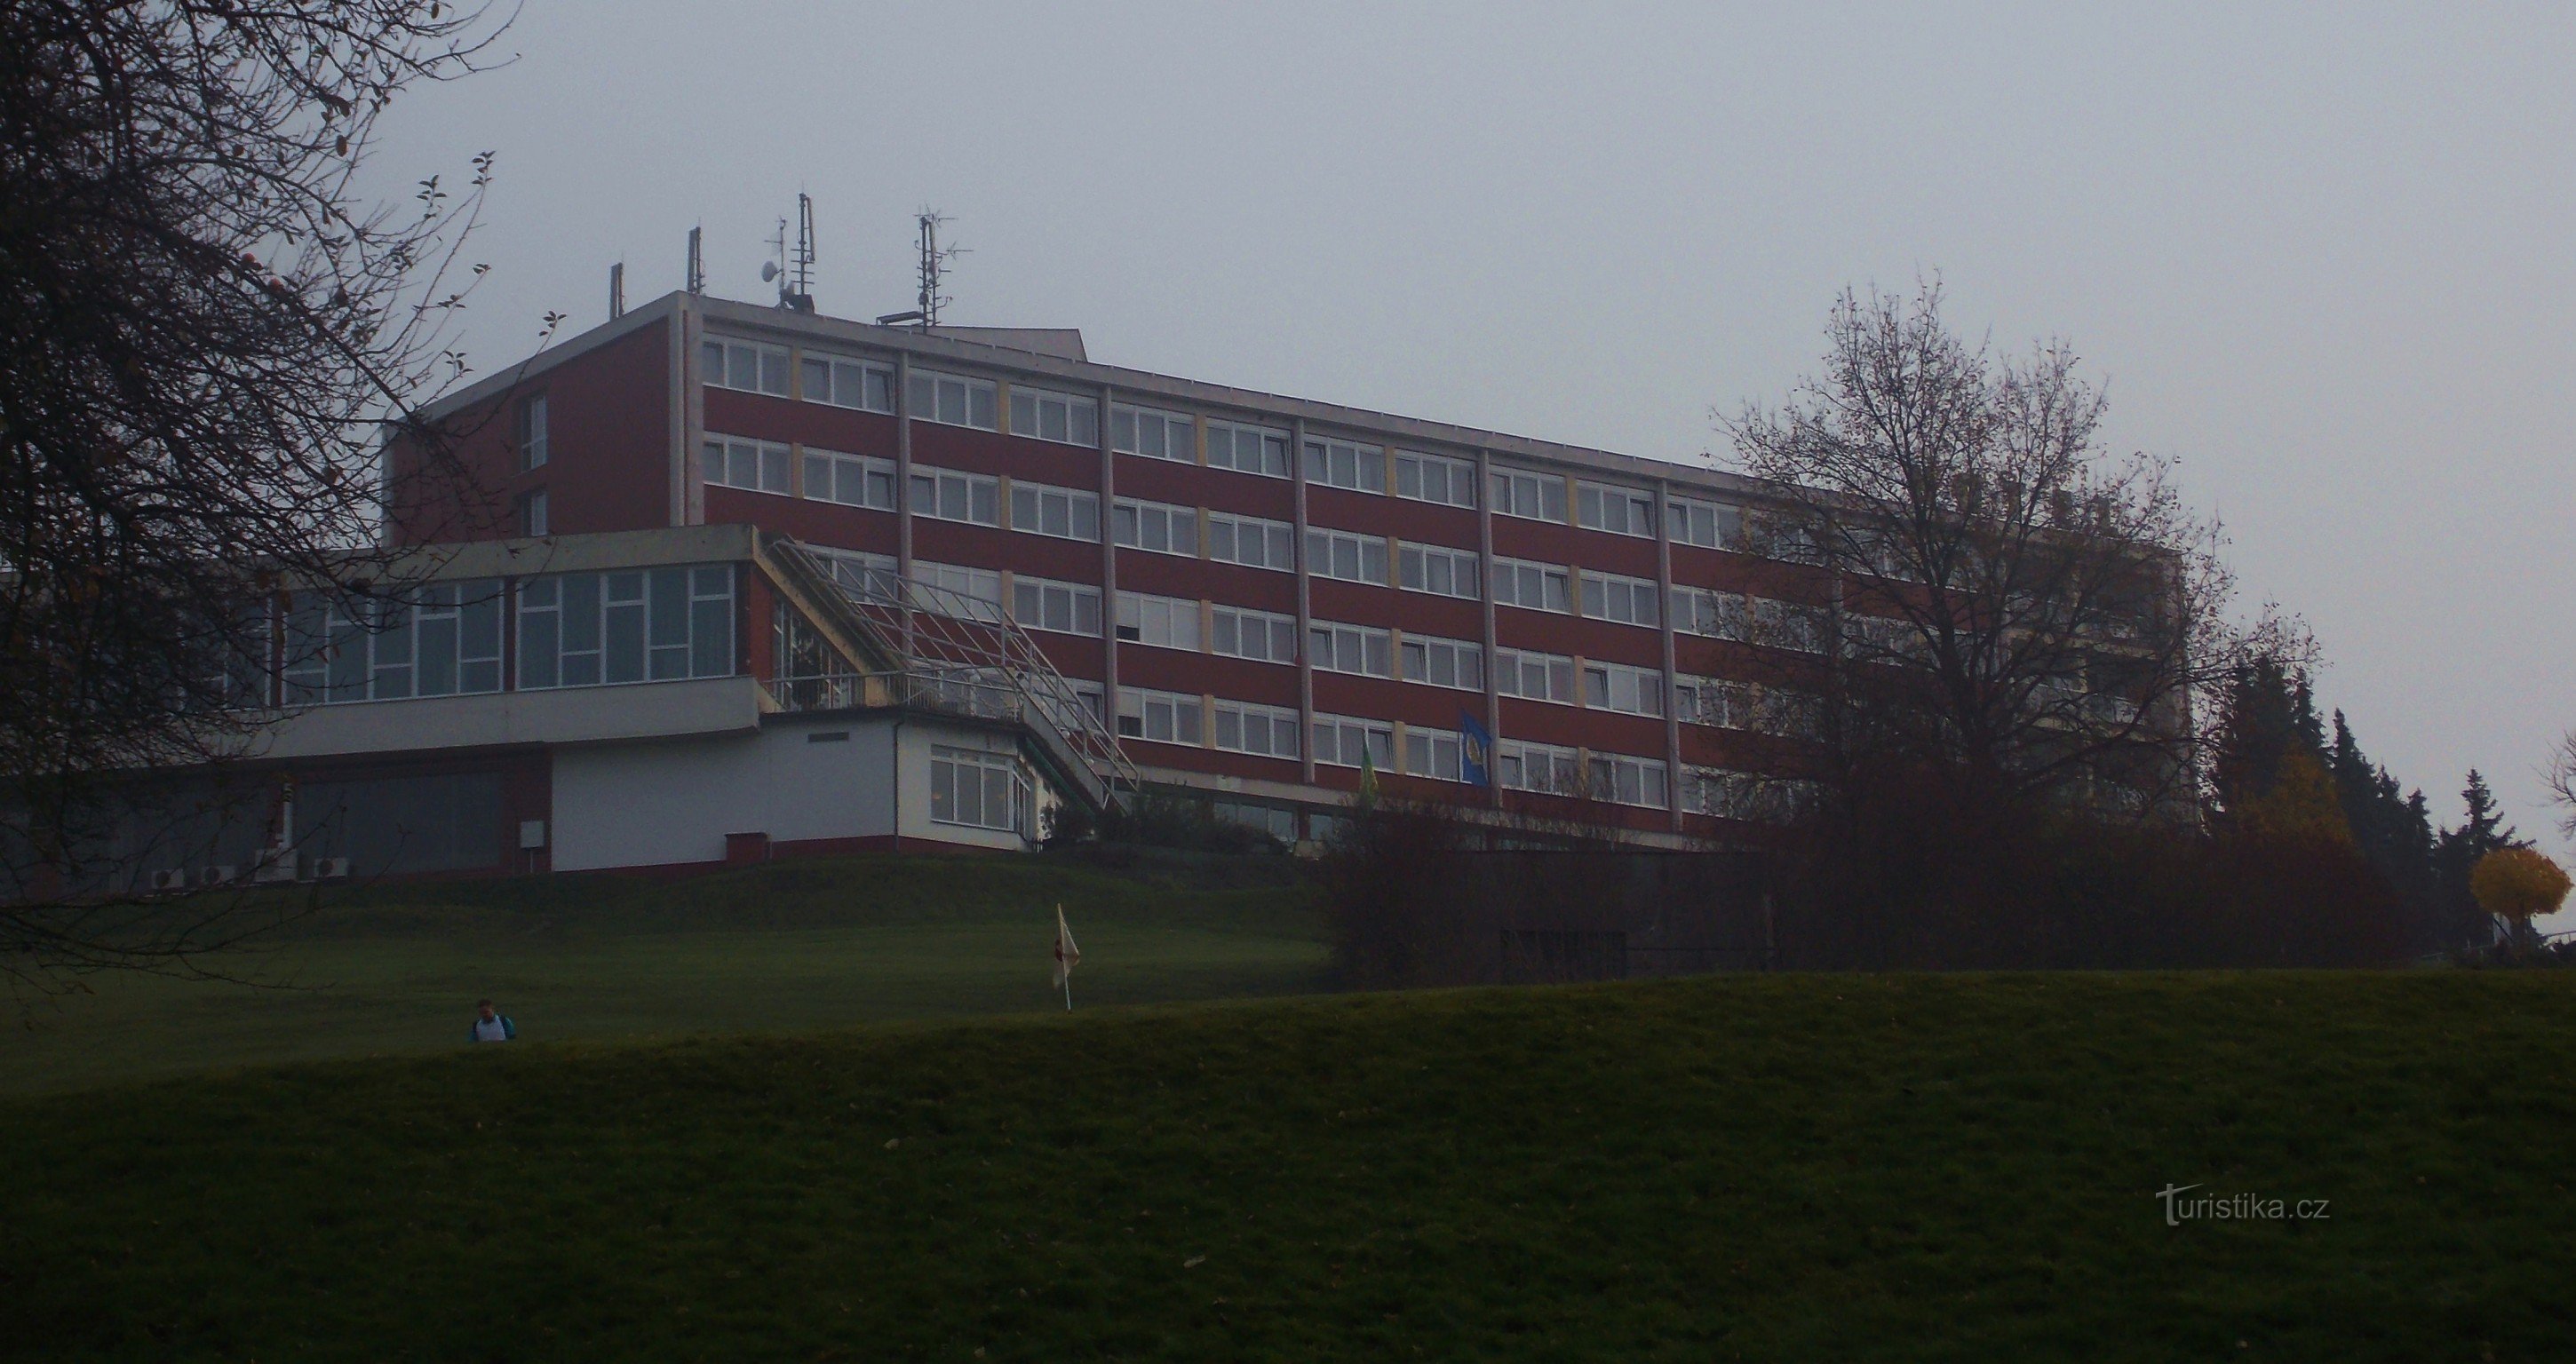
804,944
1778,1168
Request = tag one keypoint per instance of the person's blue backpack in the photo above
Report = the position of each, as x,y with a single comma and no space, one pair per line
509,1030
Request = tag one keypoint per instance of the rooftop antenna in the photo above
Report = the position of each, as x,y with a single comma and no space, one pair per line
934,266
794,270
697,264
617,291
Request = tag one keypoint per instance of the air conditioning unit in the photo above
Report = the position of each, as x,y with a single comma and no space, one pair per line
175,878
221,875
330,868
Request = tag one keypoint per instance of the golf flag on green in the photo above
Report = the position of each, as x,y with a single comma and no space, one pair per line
1067,956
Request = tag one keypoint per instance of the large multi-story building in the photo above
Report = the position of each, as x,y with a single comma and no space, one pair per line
1264,597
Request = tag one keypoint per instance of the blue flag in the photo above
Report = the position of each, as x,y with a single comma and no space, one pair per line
1475,750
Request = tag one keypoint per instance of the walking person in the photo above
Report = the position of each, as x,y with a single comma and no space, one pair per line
490,1026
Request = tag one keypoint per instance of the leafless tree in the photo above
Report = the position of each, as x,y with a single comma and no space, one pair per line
2017,618
206,332
2560,775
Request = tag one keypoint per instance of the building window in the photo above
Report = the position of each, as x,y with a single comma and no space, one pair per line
1154,435
1437,569
533,518
981,587
635,625
952,400
1534,676
1279,823
1067,513
532,433
1157,526
1263,731
1352,558
860,384
1165,717
1536,587
1055,416
1165,622
1262,636
1434,753
1350,649
1545,768
744,365
1435,478
870,574
1706,611
1045,604
1619,687
1629,601
1341,741
978,790
1713,701
947,495
1710,525
1251,541
1539,497
443,639
1746,796
1788,625
1620,511
758,466
851,480
1444,662
1345,464
1623,780
1247,449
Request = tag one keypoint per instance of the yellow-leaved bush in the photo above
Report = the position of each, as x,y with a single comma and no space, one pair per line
2517,883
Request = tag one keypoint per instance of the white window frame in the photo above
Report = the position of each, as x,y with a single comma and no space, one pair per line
859,385
979,496
1623,687
1438,662
1527,494
1711,613
1621,600
1330,552
1162,622
1709,525
992,774
976,406
1161,717
1332,462
1435,754
1247,449
1074,418
1615,509
1129,429
1548,769
721,360
1419,565
980,586
1063,513
870,573
871,477
1278,540
1360,650
1623,779
1230,628
1553,581
1534,676
1064,608
1240,720
1725,793
1341,741
769,463
535,513
1440,479
1155,527
532,432
1789,625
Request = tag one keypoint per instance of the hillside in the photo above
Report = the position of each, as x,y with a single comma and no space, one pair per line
396,969
1757,1167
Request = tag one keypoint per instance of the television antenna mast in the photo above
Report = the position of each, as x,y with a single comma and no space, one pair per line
697,263
934,266
794,269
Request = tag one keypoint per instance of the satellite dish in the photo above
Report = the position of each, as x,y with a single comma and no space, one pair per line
768,271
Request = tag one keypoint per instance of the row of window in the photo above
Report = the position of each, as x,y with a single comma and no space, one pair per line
1044,414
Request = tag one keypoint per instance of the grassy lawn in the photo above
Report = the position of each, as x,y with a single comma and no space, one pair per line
808,944
1796,1168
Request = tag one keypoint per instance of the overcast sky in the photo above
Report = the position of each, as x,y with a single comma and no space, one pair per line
2325,255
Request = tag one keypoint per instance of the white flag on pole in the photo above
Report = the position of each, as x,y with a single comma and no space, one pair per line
1067,956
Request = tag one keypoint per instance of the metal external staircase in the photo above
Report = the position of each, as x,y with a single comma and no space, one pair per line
914,644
